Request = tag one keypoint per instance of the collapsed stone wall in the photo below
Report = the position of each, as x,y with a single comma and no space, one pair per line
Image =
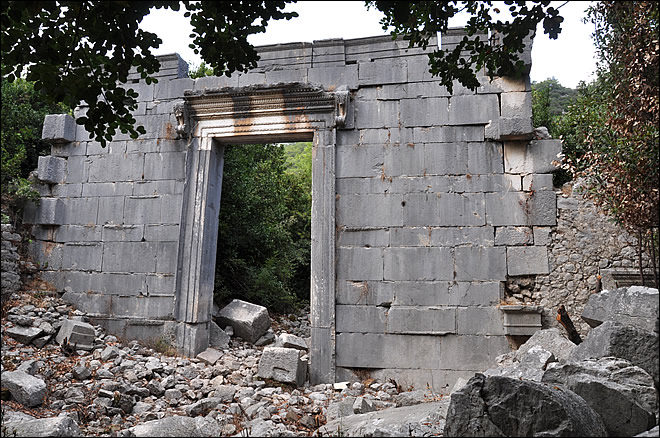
585,244
420,198
11,275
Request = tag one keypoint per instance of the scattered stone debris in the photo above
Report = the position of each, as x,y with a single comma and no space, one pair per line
96,385
119,388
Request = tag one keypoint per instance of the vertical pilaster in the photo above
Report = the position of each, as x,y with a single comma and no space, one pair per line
199,233
323,258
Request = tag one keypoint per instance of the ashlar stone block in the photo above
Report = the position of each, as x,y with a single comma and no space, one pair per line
360,263
527,260
422,320
531,157
513,236
361,319
51,170
418,264
250,321
473,109
49,212
479,263
59,128
517,104
516,208
282,364
76,332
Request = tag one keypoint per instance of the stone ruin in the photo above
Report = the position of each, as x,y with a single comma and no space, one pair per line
420,201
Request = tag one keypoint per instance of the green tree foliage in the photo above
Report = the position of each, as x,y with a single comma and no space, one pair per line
83,50
541,115
264,226
201,71
550,103
611,133
585,120
23,112
549,100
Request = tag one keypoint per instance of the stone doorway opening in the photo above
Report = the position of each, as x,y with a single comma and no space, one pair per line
228,117
264,227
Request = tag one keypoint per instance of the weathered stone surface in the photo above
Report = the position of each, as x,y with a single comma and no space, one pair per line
76,332
530,366
225,392
410,398
59,128
203,407
49,212
25,389
502,406
340,409
362,406
551,340
81,372
22,425
426,419
621,393
109,352
650,433
24,335
514,236
611,338
635,305
535,156
283,365
218,338
249,321
266,339
210,356
287,340
51,169
177,426
527,260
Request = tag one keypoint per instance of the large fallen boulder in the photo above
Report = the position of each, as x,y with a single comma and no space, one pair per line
426,419
502,406
635,305
530,360
248,320
19,424
177,426
283,364
611,338
621,393
551,340
529,366
24,388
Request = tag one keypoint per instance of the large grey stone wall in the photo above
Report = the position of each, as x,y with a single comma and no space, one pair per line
423,199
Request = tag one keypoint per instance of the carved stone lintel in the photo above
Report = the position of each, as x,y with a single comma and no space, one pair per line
180,114
341,105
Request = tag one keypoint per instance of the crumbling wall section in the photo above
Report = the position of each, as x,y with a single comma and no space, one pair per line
586,244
